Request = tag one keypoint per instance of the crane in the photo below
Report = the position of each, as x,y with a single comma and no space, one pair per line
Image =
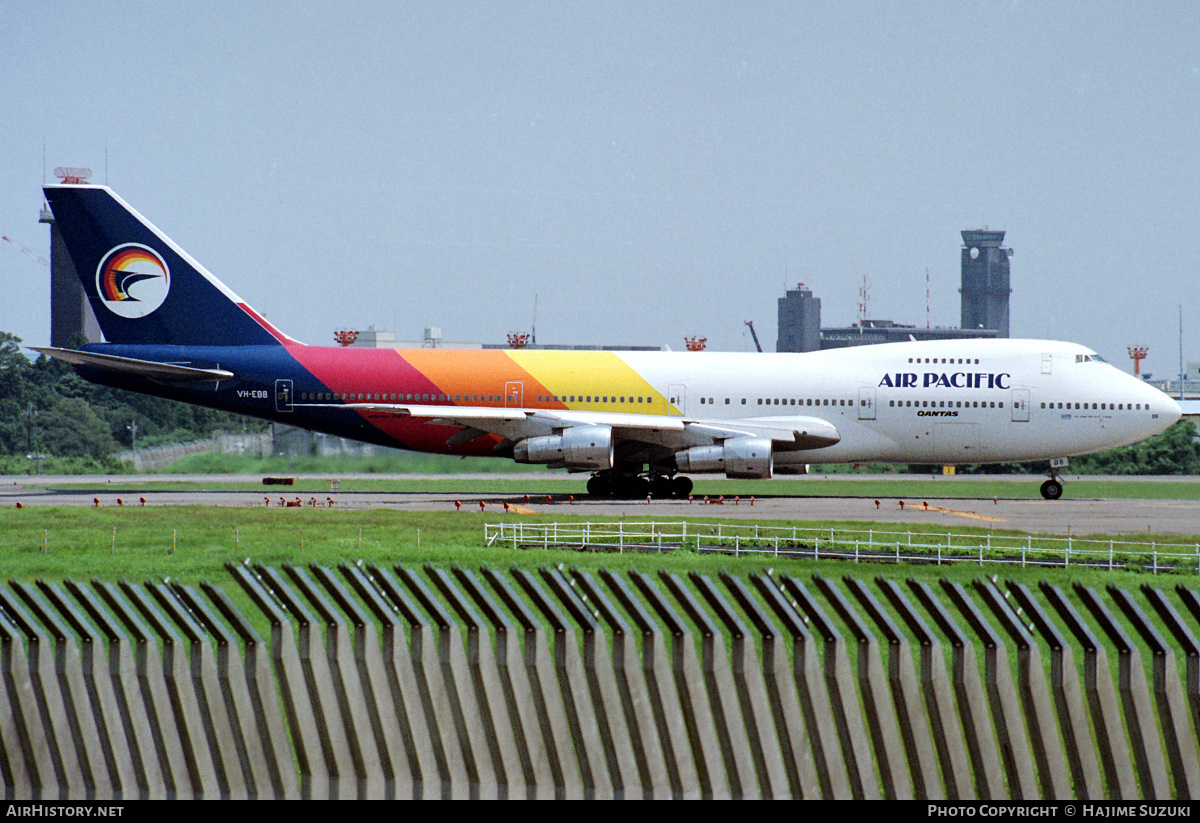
28,251
757,345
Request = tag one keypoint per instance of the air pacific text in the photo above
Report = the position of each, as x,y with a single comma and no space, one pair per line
948,380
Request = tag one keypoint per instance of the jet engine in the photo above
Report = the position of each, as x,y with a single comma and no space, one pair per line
747,458
579,447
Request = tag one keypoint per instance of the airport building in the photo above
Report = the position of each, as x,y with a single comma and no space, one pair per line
70,314
372,338
985,298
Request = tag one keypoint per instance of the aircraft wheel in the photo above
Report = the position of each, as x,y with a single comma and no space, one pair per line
599,486
682,486
661,488
1052,489
634,488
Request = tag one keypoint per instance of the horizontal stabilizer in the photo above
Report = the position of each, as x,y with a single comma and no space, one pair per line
149,369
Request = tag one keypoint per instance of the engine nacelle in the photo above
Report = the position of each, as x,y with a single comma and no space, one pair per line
546,449
748,458
579,447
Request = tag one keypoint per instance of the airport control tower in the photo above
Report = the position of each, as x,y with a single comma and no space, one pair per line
799,321
985,281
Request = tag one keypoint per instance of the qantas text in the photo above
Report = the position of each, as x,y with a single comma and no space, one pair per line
954,380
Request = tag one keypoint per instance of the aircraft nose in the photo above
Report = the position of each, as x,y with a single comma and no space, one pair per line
1174,411
1170,412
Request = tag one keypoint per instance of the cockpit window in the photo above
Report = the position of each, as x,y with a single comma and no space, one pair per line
1089,358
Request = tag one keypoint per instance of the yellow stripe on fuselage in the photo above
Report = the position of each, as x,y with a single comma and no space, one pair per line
596,380
594,374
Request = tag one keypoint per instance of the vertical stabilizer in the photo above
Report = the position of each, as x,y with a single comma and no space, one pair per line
143,288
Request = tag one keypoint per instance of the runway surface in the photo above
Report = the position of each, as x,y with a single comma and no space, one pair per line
1067,516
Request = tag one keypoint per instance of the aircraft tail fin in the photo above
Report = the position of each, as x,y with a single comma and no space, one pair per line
143,288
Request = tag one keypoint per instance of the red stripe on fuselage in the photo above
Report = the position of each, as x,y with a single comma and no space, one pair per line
377,374
367,371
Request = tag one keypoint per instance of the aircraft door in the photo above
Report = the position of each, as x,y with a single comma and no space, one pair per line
514,395
677,396
866,403
283,395
1020,406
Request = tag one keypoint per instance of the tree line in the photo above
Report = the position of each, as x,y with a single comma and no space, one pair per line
54,421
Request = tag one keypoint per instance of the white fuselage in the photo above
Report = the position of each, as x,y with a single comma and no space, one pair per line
958,401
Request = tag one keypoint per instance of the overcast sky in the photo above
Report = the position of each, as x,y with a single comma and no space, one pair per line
648,170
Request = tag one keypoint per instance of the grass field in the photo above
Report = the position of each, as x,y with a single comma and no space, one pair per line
193,543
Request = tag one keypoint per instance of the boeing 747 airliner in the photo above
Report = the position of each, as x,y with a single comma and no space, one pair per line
640,422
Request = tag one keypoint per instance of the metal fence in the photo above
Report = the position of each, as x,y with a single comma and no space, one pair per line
865,545
427,682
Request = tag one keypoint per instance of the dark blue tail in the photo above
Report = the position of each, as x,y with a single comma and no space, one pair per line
142,287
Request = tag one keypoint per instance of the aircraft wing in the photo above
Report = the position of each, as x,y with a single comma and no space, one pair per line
795,433
150,369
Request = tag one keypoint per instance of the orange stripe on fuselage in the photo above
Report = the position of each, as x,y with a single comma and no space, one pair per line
477,373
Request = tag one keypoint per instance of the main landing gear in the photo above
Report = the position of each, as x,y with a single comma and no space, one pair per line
628,486
1052,489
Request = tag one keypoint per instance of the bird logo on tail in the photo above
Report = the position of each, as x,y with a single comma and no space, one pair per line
132,280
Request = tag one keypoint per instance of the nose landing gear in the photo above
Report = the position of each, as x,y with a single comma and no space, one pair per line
1052,489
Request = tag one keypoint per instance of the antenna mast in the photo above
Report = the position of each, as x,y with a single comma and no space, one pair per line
927,297
862,306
